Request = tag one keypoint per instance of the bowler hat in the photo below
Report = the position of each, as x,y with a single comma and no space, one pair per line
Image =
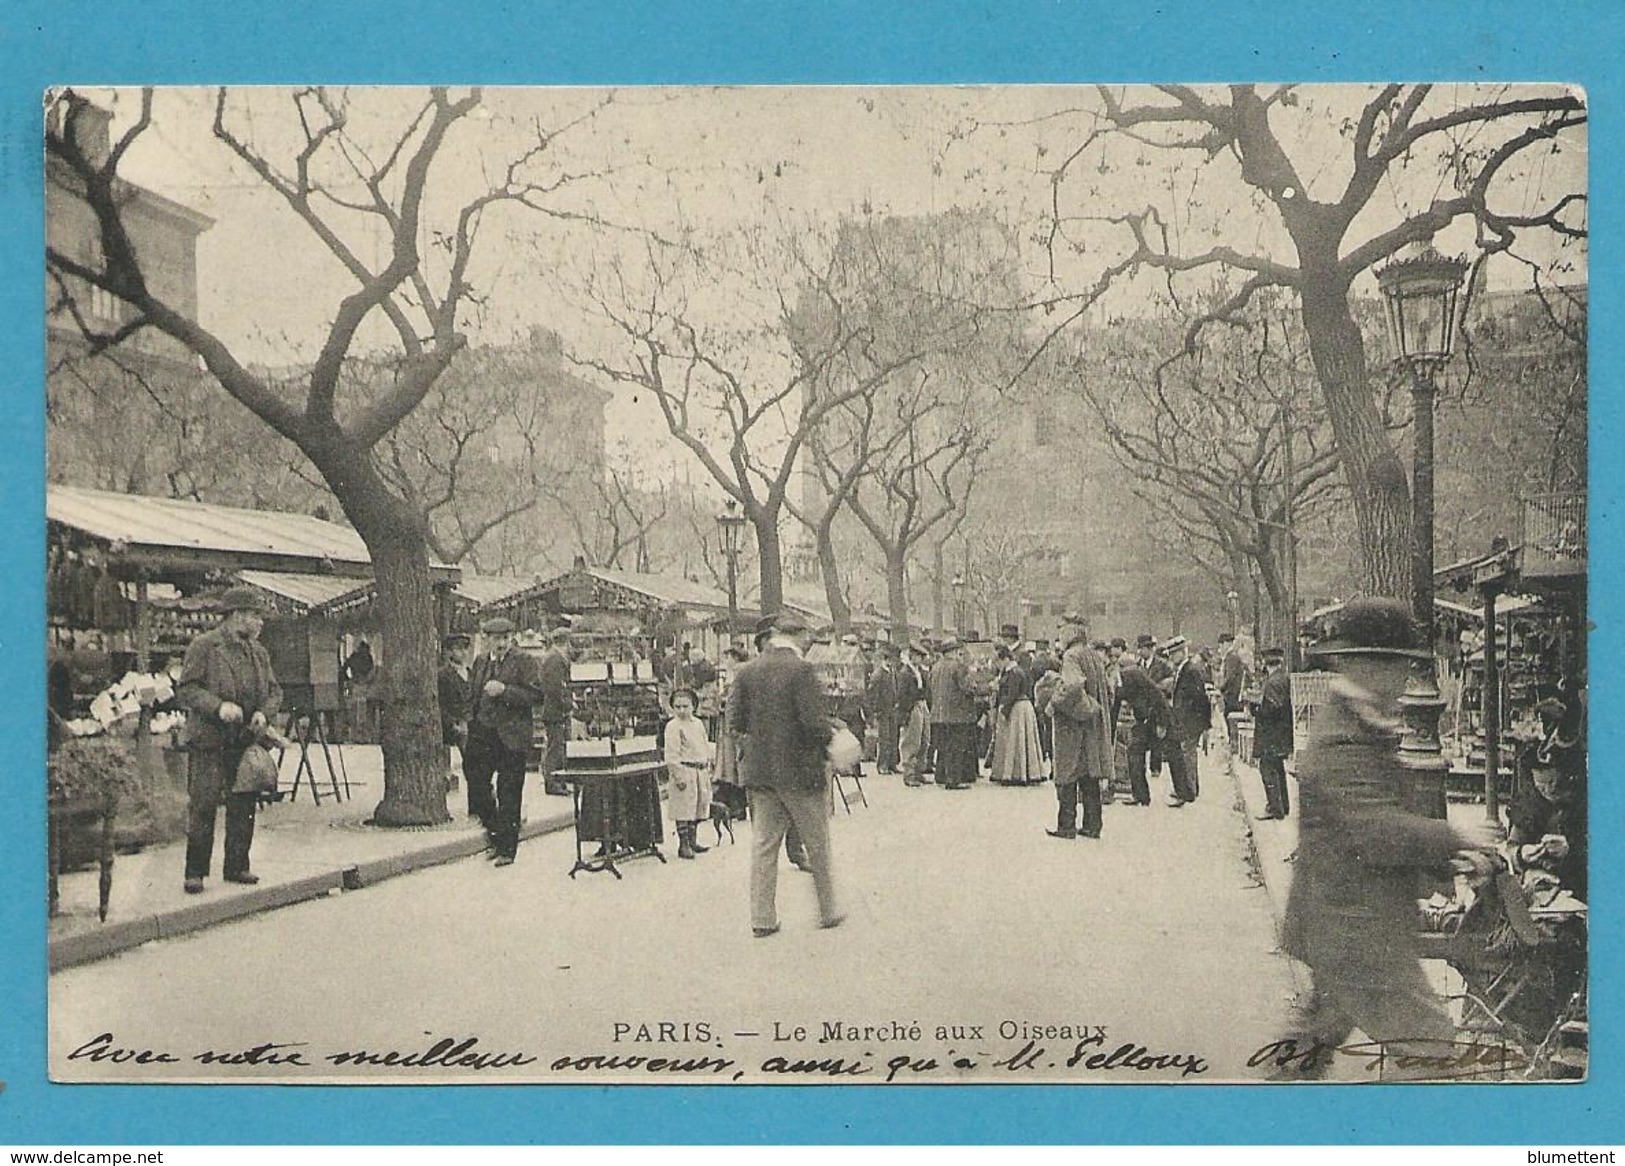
497,625
1119,643
241,599
1145,640
1372,626
1009,631
1272,653
454,641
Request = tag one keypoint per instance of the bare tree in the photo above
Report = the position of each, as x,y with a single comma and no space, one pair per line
745,397
1470,154
1203,435
347,190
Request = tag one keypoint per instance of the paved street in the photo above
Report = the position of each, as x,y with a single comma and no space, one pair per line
962,913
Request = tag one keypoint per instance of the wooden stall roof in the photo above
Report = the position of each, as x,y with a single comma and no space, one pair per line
170,534
481,590
307,593
667,590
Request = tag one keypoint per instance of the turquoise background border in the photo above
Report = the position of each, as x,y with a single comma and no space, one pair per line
180,42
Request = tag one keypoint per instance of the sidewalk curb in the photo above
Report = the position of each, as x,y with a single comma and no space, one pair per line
86,947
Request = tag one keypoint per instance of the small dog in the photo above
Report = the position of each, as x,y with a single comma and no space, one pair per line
722,819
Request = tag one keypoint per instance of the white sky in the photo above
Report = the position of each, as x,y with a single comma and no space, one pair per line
721,163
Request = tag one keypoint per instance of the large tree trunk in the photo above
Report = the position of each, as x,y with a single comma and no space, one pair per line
897,594
840,611
397,539
1375,476
769,561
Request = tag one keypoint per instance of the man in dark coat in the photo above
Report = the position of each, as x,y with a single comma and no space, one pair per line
557,704
1151,718
1232,679
1272,733
452,684
777,706
1082,739
1192,713
1351,914
954,711
885,707
230,692
504,687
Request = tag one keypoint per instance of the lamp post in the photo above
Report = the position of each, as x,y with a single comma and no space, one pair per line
959,603
1420,291
729,525
1233,598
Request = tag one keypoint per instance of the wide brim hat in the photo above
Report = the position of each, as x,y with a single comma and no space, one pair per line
1176,642
1372,627
242,599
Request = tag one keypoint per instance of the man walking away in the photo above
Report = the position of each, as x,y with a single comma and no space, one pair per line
777,706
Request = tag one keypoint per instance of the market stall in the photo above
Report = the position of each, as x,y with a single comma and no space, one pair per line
129,586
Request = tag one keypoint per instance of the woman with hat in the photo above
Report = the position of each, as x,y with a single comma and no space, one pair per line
230,692
1351,915
1017,758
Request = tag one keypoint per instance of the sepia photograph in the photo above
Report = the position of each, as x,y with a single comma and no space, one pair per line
1193,477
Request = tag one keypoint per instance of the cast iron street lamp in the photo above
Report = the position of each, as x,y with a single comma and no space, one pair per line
729,524
1420,290
959,604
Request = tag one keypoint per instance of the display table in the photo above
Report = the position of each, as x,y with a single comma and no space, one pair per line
617,806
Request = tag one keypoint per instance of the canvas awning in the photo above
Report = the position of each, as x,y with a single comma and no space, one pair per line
169,534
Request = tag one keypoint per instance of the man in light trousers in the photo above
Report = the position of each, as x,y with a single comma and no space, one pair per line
777,706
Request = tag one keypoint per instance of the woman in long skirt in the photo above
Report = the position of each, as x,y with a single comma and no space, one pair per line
1018,759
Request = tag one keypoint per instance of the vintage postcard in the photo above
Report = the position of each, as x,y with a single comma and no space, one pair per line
838,585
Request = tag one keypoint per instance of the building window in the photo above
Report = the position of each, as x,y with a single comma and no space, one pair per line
1043,426
105,306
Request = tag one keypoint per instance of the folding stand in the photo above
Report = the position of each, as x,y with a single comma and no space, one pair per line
308,728
857,780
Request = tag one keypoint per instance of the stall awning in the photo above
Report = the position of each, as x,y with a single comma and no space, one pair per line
662,590
1505,605
481,590
307,593
167,534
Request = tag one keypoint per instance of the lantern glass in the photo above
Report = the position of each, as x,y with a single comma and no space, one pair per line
1421,300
